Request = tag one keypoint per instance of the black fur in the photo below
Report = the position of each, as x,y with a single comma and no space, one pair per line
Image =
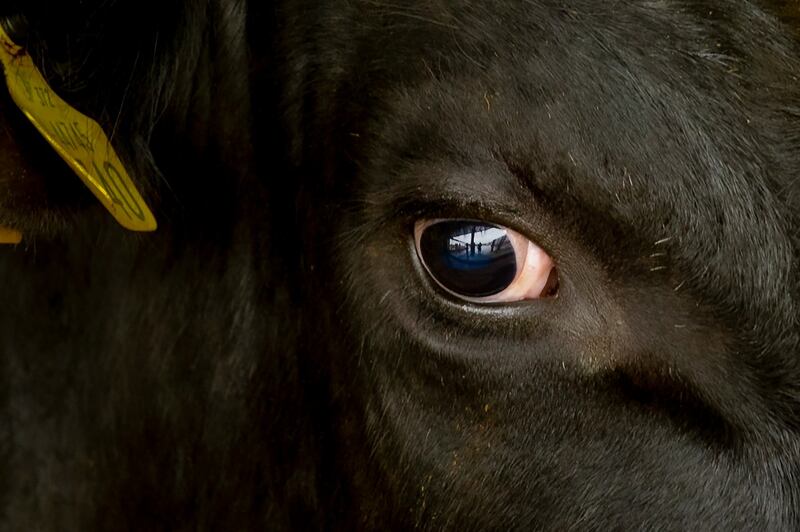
274,357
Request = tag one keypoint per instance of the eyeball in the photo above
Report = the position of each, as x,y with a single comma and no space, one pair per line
484,262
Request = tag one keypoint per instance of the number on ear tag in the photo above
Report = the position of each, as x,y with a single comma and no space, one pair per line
78,139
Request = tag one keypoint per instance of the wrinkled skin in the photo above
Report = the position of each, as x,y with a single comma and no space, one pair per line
275,357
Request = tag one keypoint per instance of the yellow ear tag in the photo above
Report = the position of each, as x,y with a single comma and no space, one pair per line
10,236
78,139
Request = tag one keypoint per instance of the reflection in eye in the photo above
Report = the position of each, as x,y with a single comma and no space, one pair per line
484,262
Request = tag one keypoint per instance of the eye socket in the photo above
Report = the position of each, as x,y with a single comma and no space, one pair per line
484,262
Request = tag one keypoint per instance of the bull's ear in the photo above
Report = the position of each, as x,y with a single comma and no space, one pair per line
40,128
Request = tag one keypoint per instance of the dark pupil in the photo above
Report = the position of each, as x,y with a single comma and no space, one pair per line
470,258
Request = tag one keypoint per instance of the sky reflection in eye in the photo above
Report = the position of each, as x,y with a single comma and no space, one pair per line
476,245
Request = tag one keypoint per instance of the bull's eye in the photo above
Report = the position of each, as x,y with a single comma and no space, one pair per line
483,262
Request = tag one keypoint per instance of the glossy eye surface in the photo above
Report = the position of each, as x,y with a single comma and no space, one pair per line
483,262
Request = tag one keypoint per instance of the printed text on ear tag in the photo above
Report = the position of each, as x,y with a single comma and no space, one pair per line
78,139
